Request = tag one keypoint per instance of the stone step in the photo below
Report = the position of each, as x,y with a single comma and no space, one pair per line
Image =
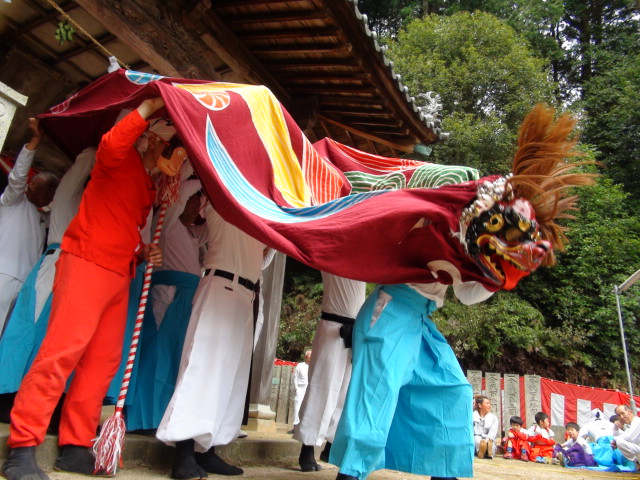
147,450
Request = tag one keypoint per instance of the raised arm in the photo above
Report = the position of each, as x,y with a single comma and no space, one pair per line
19,174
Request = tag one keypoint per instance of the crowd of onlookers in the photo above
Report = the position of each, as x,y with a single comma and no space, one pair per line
602,443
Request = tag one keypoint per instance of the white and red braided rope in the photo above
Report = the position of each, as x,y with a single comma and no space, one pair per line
109,445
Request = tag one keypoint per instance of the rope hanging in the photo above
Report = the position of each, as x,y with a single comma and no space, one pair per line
86,34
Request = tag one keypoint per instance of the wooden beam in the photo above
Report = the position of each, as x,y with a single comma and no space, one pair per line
54,20
373,122
296,77
297,33
238,19
41,19
347,64
247,3
363,47
357,111
408,148
219,38
302,49
157,34
29,37
333,89
103,40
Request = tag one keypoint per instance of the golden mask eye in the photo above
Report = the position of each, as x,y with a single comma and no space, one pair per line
495,223
524,225
513,235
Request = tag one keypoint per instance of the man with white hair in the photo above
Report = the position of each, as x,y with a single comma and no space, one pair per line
22,228
627,440
90,295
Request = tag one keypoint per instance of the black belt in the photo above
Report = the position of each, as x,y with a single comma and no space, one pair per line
332,317
245,282
50,251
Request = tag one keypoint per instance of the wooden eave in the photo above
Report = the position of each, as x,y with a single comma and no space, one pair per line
318,57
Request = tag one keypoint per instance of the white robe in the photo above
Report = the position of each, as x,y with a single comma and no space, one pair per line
22,232
208,401
628,441
330,366
300,382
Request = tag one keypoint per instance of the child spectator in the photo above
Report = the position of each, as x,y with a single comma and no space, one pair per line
576,451
515,442
541,439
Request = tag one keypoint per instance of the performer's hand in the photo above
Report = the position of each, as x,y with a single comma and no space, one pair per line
153,254
150,106
34,126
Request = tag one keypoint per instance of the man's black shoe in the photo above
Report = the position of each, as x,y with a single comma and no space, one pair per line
78,459
307,460
444,478
185,466
324,455
21,465
212,463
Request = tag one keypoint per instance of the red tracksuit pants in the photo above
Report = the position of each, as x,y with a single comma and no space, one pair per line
85,333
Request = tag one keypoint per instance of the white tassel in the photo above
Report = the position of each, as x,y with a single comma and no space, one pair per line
109,445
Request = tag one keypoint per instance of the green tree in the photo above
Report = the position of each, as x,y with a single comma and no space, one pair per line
613,119
488,79
507,334
301,306
604,250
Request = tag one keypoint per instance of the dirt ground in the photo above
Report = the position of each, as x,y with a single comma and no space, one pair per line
495,469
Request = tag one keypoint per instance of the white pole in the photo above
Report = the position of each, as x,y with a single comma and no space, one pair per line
624,347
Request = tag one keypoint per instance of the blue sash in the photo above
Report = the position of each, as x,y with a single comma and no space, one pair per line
160,352
23,334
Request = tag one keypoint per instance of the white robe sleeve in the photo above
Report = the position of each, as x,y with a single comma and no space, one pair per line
18,177
471,292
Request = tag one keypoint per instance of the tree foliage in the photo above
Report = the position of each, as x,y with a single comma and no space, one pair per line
578,291
613,119
301,306
487,77
590,50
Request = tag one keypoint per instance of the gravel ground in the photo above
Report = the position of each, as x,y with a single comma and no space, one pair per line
495,469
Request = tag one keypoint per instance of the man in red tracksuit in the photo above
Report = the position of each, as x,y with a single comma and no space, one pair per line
90,294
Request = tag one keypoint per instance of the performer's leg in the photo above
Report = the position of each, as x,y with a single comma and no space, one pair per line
386,343
96,368
215,351
9,289
44,281
75,313
327,368
433,417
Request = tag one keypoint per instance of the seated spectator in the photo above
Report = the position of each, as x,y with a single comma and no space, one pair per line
627,440
616,421
597,427
485,428
515,442
576,451
541,439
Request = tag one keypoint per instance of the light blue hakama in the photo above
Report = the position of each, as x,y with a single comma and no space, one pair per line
409,404
23,335
160,353
135,291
